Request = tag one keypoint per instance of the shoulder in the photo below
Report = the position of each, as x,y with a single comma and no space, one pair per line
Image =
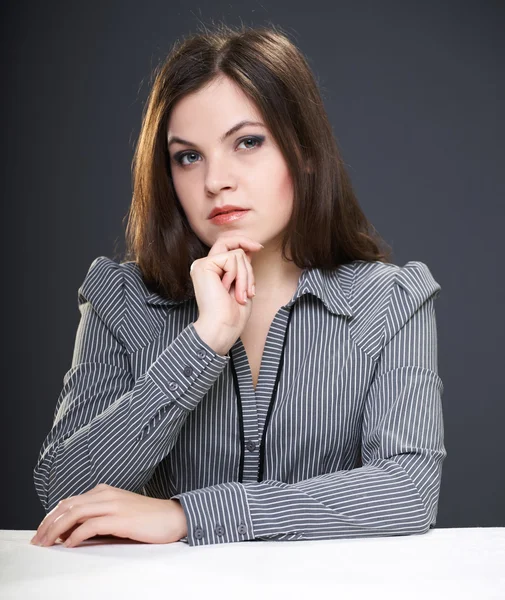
103,287
384,296
118,294
377,280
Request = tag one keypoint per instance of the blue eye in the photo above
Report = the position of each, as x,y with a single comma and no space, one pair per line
257,140
179,156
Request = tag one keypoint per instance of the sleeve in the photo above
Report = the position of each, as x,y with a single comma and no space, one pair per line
108,428
395,490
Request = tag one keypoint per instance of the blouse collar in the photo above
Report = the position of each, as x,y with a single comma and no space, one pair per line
322,283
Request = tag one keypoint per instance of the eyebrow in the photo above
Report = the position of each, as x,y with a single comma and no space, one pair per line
231,131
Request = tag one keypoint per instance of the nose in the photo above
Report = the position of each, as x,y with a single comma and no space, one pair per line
218,176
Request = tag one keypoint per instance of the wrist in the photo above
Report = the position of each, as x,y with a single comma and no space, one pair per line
215,338
183,530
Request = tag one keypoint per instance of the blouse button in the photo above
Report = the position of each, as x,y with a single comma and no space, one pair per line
219,530
201,354
188,370
198,533
242,528
251,446
173,385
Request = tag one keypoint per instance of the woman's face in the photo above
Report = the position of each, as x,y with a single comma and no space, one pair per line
246,169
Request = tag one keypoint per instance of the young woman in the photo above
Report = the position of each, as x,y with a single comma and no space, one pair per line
256,367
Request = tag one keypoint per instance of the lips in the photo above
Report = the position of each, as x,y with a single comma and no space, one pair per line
225,212
227,208
229,217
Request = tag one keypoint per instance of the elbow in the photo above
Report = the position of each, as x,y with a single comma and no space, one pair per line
426,519
40,480
45,483
427,491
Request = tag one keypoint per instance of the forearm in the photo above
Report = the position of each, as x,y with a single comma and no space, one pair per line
374,500
122,444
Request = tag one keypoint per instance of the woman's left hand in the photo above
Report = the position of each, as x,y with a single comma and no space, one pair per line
106,510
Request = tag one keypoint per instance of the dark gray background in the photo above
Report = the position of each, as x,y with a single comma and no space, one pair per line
415,94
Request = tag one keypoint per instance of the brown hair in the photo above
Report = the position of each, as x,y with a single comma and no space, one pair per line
327,226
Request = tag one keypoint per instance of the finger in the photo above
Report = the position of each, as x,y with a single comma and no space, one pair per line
221,264
241,280
104,525
230,266
250,276
76,514
227,243
247,284
51,516
61,507
66,534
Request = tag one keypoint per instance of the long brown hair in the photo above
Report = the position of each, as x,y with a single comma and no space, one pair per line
327,226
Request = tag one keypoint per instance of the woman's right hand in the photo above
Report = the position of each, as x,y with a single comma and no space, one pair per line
220,280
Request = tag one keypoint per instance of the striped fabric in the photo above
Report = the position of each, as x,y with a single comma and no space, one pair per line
343,436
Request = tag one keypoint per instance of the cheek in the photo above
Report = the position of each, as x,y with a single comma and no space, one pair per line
179,186
284,189
183,191
286,185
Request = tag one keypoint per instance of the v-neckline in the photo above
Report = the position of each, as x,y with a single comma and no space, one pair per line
244,371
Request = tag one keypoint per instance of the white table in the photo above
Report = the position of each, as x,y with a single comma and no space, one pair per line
444,563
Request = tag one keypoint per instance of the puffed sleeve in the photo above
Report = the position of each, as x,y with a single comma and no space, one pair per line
107,426
396,490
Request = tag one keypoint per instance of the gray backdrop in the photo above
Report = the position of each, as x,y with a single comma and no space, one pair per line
415,94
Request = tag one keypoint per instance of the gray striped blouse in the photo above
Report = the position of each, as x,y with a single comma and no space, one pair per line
343,436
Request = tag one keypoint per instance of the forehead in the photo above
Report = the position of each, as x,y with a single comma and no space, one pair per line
218,105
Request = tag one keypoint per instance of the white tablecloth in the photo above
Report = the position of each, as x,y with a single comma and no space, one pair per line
444,563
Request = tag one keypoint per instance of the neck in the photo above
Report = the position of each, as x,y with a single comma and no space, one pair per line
272,274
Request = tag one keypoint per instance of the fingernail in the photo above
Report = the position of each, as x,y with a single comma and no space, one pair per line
254,290
245,296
